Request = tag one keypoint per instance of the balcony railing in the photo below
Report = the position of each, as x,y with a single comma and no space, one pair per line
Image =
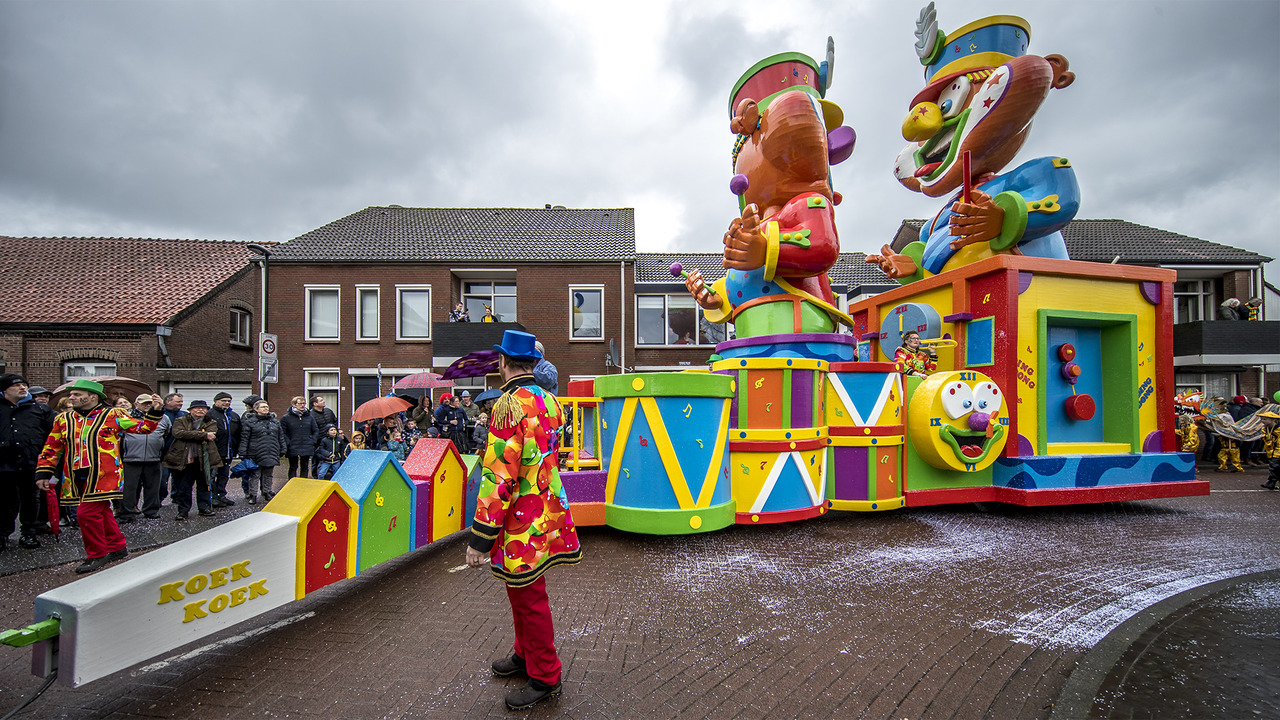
1238,342
458,339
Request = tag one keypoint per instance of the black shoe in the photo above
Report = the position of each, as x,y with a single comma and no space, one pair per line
206,513
91,565
180,517
1269,486
508,666
228,502
149,516
28,542
117,555
531,694
266,496
253,499
124,519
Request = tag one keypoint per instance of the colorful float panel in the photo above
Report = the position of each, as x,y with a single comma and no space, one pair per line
778,479
829,347
169,597
387,498
664,445
440,476
775,393
863,393
327,521
585,490
864,470
580,438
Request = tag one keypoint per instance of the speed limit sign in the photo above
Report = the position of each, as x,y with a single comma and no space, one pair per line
267,345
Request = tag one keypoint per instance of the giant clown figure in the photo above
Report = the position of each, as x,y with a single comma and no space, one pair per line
982,91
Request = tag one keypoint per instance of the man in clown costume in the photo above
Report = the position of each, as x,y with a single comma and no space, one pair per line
85,446
522,524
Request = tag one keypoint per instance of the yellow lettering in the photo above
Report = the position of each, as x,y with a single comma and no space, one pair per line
196,584
193,611
258,587
240,570
219,603
237,595
218,578
169,591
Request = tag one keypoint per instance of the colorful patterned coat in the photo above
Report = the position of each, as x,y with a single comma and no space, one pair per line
90,441
522,516
914,363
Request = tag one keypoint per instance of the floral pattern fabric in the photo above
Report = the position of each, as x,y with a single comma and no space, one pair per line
522,514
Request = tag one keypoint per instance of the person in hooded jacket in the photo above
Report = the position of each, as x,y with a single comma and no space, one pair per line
301,434
142,456
330,450
262,440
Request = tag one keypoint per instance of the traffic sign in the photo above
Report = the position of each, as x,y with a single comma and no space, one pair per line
267,345
267,369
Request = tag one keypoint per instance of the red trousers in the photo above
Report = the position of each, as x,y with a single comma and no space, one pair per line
99,529
535,635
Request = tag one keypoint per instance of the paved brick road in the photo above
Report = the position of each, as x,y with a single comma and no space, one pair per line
949,612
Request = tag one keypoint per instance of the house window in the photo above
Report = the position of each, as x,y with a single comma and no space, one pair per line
325,384
675,320
367,312
241,321
75,369
413,312
322,312
586,312
1193,300
499,295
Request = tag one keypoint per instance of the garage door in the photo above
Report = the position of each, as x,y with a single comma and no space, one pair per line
205,392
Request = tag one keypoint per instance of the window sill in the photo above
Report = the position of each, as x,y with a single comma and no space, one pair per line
585,340
334,341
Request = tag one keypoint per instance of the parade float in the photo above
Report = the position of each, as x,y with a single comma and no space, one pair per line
1046,387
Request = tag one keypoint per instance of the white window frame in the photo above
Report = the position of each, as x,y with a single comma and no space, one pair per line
318,389
594,288
699,312
400,290
493,282
245,318
99,368
361,290
1206,299
306,312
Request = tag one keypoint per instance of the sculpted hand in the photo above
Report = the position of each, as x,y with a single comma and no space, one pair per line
744,245
698,289
475,558
976,221
893,264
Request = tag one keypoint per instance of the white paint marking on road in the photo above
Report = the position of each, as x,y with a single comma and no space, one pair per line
1257,491
458,569
226,641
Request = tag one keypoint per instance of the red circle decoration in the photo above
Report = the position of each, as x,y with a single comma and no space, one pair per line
1066,352
1080,407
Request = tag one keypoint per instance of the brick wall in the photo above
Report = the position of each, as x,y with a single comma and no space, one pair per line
39,353
200,347
542,300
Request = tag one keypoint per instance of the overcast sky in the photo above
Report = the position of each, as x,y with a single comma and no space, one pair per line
262,120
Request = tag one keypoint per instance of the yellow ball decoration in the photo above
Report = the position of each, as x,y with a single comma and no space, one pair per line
695,522
637,384
755,518
923,122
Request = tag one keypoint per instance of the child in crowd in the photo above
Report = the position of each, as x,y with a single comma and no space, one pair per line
411,433
357,442
330,450
396,446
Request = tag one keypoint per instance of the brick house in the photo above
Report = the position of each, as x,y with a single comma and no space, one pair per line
1220,358
175,314
365,300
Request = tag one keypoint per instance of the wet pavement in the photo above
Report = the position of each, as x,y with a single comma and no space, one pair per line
938,612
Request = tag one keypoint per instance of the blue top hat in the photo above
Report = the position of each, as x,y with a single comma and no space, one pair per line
518,346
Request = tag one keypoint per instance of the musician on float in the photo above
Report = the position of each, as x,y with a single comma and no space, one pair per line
913,359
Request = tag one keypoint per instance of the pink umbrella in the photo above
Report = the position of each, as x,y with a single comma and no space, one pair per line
422,380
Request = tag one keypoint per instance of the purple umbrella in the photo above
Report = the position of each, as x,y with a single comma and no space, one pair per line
476,364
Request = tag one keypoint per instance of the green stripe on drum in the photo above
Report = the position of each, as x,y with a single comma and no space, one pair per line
670,521
662,384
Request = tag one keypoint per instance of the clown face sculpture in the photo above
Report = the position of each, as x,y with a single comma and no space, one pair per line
955,421
981,93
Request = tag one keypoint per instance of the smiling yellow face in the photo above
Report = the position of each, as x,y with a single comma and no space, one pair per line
957,420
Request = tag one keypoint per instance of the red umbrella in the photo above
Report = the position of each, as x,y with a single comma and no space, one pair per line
421,381
380,407
476,364
51,507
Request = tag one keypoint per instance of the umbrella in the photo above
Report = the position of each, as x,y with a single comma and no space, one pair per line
115,387
476,364
421,381
380,407
51,509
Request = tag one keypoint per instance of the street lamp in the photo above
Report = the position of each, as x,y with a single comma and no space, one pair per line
262,317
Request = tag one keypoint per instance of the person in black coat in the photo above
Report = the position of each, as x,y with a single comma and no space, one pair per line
321,414
24,426
262,440
330,450
228,442
301,432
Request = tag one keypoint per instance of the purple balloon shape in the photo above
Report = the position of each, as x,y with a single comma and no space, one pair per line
738,184
840,144
676,269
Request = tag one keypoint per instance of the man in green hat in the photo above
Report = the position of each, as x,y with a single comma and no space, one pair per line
85,446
